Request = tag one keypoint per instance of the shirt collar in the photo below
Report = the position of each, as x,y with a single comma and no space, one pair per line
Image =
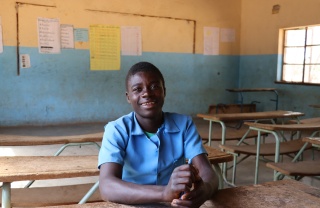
168,126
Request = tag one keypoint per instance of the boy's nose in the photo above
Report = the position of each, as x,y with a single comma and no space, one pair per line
146,92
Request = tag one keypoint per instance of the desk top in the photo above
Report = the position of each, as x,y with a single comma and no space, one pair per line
216,156
285,127
20,168
250,89
250,116
55,134
285,193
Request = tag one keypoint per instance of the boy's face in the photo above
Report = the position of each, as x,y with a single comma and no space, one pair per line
145,92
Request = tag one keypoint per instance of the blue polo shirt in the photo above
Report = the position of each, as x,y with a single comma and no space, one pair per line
150,160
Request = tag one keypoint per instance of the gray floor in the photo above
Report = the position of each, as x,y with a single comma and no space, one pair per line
245,170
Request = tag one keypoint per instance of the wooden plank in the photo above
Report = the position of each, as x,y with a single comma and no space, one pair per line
54,134
302,168
19,168
285,127
312,140
251,116
216,156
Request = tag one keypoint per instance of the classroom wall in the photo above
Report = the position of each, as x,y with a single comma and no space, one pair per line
61,88
259,51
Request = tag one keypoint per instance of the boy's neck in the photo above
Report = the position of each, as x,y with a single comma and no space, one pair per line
151,125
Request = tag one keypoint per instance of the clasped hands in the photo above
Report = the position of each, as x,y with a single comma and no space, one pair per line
186,188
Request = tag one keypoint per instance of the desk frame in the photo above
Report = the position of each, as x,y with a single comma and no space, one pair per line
242,90
222,118
277,148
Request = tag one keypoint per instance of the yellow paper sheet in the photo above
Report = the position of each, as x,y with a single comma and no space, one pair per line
104,47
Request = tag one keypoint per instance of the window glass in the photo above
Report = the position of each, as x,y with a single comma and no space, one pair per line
312,73
294,55
295,37
313,55
313,36
292,73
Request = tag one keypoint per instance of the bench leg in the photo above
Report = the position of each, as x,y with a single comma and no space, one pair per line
6,195
89,193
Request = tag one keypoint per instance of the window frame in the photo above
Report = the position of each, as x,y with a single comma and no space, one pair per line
282,47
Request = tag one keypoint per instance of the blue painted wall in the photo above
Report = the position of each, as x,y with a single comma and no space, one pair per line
60,88
261,71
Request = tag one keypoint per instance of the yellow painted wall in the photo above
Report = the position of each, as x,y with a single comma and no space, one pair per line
260,28
165,25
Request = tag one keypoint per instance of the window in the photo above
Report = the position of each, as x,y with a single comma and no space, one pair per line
301,55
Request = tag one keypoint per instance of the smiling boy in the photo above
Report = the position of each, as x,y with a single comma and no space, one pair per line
143,154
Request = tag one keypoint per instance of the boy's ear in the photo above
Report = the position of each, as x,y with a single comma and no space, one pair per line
164,90
128,98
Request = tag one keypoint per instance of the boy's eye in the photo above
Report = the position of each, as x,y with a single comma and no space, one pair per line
136,89
155,87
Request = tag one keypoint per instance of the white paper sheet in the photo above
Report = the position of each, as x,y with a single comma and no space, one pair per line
48,35
1,42
25,61
228,35
131,43
211,40
67,40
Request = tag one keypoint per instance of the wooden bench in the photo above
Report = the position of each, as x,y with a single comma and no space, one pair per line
298,169
51,196
268,149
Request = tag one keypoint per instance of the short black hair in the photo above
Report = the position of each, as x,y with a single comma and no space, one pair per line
143,67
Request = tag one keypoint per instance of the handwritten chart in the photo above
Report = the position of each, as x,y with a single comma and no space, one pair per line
104,47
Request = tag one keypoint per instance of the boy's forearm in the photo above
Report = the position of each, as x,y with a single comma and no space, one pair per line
129,193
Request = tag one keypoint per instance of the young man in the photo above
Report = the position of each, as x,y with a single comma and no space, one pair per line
143,154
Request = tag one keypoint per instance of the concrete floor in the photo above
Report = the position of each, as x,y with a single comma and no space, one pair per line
245,170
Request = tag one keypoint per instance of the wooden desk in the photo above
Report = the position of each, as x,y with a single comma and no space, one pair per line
241,90
19,168
69,135
222,118
286,193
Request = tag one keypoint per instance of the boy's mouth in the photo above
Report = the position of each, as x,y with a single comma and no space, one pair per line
147,104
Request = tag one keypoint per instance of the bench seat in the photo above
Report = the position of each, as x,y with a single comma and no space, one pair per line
301,168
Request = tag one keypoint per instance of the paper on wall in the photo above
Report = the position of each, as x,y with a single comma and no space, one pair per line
1,42
228,35
131,44
48,35
211,41
67,40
